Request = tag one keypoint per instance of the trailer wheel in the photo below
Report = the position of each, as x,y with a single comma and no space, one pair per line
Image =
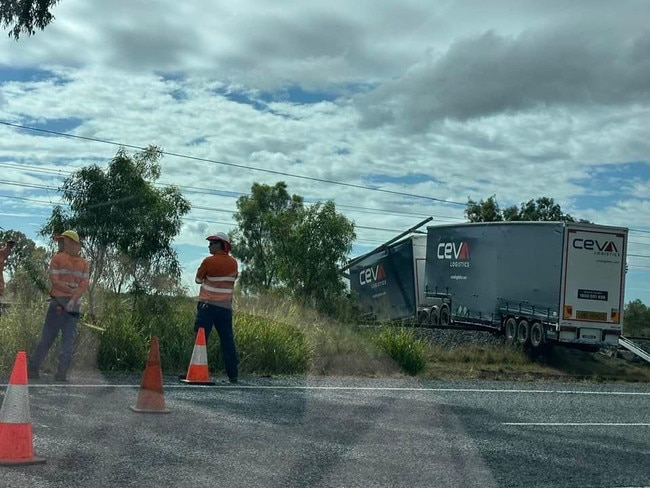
510,330
423,317
537,335
523,332
444,315
434,316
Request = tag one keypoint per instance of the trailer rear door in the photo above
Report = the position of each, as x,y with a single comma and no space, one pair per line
593,281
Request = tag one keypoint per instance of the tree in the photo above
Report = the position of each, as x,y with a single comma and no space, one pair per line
265,218
27,267
319,244
25,16
542,209
636,319
126,223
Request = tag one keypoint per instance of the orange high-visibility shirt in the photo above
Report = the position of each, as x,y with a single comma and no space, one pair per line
217,275
69,276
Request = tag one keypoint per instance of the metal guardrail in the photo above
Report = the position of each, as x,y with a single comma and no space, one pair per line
635,348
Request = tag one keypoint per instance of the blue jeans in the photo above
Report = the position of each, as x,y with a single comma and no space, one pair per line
57,319
208,316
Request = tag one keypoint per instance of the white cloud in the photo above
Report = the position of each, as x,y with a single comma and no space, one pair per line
447,100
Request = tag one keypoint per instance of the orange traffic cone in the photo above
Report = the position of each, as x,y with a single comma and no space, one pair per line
198,373
151,398
16,446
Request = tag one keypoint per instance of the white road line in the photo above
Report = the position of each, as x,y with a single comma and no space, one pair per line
578,424
348,388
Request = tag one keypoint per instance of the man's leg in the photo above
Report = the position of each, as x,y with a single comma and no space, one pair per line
68,335
53,319
203,319
223,324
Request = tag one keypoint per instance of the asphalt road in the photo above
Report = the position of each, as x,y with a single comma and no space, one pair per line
325,432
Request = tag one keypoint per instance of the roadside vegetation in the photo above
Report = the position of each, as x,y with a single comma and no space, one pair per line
293,313
277,337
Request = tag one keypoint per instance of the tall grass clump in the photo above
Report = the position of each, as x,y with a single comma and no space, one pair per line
123,346
20,328
268,346
404,348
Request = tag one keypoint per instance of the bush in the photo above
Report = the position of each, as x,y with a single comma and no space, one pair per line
404,348
122,347
267,346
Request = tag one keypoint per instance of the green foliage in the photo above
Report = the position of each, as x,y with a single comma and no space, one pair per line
264,218
122,347
127,224
319,244
284,244
267,346
541,209
636,319
27,267
404,348
25,16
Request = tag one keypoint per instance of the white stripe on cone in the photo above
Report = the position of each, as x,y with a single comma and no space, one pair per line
15,407
200,356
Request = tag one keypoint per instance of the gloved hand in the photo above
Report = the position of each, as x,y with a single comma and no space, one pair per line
70,306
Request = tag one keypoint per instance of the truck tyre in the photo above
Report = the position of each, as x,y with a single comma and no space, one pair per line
510,330
537,338
523,332
444,315
434,316
423,317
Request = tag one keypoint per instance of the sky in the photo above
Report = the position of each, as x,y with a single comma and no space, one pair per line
396,111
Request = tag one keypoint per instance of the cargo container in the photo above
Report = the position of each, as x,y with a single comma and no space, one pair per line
538,283
389,283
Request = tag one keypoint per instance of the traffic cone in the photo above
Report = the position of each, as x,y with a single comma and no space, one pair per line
16,447
198,373
151,398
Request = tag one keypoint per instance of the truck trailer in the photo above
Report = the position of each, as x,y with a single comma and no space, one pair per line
389,283
537,283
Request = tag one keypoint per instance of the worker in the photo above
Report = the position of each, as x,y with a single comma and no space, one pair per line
59,242
69,278
217,275
4,255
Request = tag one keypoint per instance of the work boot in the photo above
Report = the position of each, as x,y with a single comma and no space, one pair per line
32,374
233,379
61,377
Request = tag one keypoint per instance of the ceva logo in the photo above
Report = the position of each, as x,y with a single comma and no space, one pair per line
372,274
594,245
453,250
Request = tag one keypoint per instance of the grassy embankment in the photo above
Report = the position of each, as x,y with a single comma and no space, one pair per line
276,337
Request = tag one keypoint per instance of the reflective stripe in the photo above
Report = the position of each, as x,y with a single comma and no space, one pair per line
220,278
227,291
200,356
15,407
78,274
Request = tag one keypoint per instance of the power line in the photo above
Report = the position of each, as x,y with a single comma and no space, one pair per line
234,165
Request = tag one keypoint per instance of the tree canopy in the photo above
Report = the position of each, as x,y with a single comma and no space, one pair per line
541,209
283,243
127,224
25,16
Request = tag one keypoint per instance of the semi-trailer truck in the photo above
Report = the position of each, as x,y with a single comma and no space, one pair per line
537,283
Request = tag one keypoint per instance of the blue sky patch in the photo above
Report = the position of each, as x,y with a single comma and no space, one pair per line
10,73
63,125
295,94
617,180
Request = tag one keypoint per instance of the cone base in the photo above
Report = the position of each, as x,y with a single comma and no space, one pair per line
23,462
146,410
190,382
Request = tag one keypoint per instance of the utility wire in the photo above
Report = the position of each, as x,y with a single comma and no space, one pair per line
234,165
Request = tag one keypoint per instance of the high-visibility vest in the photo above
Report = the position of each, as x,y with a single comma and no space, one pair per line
69,276
217,275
